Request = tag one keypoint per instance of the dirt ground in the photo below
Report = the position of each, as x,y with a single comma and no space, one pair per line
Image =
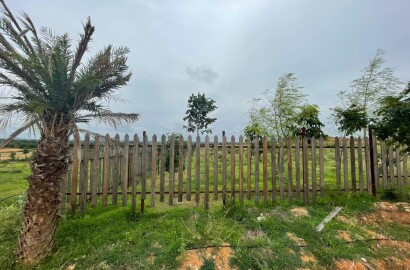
384,213
5,153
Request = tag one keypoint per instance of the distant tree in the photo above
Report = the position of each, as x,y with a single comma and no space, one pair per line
177,138
252,132
393,120
351,120
197,114
308,117
367,91
276,111
13,156
25,152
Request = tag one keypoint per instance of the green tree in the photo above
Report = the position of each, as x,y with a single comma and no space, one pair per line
252,132
276,111
351,120
197,114
367,91
308,117
12,156
53,89
393,121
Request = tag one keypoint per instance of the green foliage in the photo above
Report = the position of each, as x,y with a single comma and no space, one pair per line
276,111
351,120
367,92
394,118
197,114
24,144
13,156
253,131
308,117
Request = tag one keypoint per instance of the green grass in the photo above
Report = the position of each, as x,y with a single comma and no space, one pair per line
113,238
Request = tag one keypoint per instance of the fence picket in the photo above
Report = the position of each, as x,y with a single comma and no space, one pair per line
265,169
84,173
162,173
189,169
224,168
384,164
249,167
297,165
290,184
305,171
197,169
106,170
171,170
233,168
241,169
391,166
345,166
74,176
398,166
216,158
180,166
256,170
135,153
367,157
375,162
353,164
153,169
273,168
321,167
405,173
338,163
144,167
206,199
115,171
125,172
360,164
281,170
94,175
314,184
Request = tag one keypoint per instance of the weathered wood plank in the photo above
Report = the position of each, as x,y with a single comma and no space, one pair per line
74,176
398,166
135,160
224,182
305,171
206,199
125,172
180,166
367,158
197,169
314,184
95,173
273,168
290,183
84,173
256,169
116,171
171,170
353,164
338,165
144,167
297,165
106,170
216,172
265,168
153,170
375,161
405,173
345,166
384,164
281,170
321,167
162,173
241,169
391,166
360,164
189,169
233,176
249,167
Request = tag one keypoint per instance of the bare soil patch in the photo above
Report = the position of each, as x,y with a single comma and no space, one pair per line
349,265
194,259
299,212
388,213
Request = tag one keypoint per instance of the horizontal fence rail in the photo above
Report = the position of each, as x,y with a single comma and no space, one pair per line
176,169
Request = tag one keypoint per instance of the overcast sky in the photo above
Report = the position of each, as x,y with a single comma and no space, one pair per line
231,50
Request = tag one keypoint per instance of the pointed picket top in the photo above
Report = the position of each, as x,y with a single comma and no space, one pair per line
154,137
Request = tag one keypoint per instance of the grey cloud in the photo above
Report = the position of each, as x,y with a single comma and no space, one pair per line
202,73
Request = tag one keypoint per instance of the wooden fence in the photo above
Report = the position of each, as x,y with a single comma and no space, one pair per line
269,170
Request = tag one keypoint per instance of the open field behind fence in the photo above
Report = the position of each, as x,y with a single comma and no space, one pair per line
135,171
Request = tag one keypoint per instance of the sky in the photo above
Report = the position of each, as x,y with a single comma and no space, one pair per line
231,50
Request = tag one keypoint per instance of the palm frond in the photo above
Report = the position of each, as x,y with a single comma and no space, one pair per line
18,132
110,118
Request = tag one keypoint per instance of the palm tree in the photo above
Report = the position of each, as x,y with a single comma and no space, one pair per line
53,90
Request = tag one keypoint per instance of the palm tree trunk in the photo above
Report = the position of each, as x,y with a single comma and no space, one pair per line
41,212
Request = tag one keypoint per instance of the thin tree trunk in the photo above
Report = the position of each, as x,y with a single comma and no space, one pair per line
41,212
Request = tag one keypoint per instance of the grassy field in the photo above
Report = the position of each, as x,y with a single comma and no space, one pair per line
231,237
